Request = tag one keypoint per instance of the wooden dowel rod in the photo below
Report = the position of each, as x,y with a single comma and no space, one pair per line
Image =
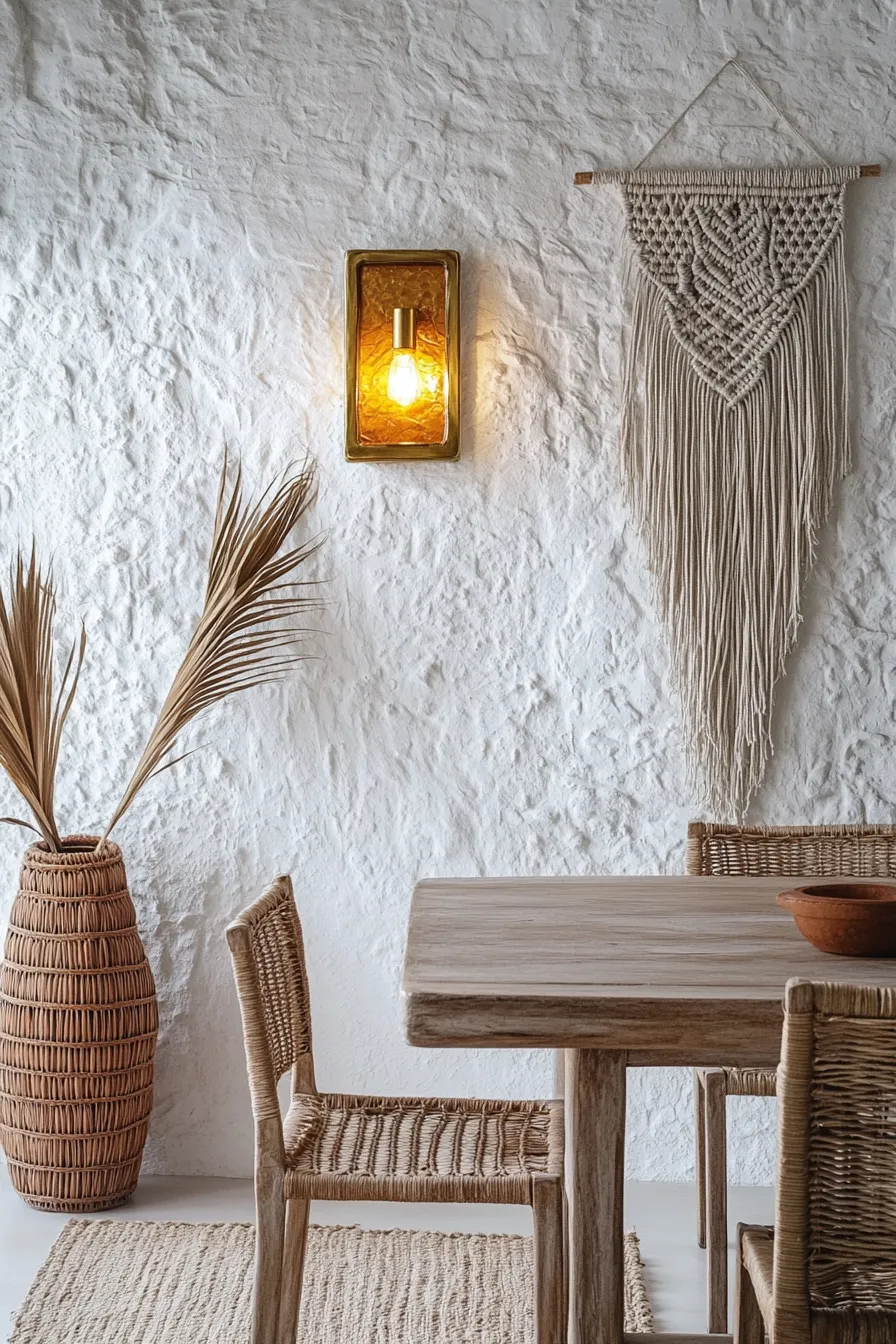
865,170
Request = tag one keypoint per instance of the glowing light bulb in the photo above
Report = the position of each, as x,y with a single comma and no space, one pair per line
404,385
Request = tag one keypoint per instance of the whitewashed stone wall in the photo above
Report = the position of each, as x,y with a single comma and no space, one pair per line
179,182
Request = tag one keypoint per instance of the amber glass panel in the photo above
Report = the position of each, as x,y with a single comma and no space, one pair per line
382,289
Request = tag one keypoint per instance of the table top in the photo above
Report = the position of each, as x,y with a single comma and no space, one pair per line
677,968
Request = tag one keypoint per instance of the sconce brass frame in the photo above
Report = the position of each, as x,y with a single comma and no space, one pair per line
448,449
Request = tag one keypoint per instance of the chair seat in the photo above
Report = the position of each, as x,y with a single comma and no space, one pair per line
751,1082
758,1250
421,1149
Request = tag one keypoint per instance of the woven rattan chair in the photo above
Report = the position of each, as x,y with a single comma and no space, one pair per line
351,1147
826,1272
756,851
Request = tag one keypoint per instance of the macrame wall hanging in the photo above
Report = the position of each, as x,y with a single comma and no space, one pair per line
734,428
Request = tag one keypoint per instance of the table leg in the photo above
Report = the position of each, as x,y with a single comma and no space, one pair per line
595,1160
715,1098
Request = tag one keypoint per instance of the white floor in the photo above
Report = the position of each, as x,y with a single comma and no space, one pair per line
662,1214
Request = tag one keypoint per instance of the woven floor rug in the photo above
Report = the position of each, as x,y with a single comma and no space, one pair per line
117,1282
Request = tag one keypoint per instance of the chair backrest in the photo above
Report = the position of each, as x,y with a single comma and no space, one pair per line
791,851
272,983
835,1224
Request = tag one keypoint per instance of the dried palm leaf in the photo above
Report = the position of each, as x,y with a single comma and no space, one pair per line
244,637
32,713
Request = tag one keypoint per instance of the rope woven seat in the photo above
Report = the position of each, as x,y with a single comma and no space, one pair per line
759,851
343,1147
826,1274
410,1148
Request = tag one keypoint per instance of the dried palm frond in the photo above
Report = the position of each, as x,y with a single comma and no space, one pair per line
244,637
32,714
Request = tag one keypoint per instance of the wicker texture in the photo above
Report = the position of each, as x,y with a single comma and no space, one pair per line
758,1250
279,959
852,1150
330,1146
834,1276
269,964
356,1147
419,1149
78,1024
750,1082
772,851
791,851
786,851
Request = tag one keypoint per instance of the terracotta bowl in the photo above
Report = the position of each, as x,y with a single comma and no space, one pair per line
849,919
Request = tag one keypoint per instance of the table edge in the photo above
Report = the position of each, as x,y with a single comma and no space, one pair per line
683,1031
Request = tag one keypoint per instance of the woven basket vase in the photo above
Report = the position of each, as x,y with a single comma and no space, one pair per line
78,1021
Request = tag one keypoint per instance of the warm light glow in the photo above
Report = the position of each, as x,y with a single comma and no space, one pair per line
404,380
401,363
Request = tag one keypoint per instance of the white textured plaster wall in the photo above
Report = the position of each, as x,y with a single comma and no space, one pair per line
179,182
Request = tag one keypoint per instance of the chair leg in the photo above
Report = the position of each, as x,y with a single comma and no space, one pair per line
716,1200
548,1262
297,1211
270,1216
700,1144
559,1073
565,1217
749,1327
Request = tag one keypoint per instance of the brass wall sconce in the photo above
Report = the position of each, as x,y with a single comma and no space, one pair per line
402,322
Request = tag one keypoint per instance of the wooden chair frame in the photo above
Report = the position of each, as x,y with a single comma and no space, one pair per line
758,851
826,1272
269,967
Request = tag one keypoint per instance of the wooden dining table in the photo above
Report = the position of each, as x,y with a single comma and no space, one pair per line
618,972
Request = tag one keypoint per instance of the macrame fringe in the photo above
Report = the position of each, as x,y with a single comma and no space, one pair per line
730,500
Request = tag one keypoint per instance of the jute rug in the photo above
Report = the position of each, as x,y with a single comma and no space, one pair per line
117,1282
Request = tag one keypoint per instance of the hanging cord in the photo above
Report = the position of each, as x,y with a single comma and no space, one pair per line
776,107
779,111
583,179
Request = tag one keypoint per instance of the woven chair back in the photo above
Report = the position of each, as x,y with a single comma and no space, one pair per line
835,1226
272,982
791,851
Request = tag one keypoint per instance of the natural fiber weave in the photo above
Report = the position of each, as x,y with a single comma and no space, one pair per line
834,1250
852,1155
758,1249
354,1147
279,958
734,433
272,981
786,851
78,1022
791,851
119,1282
638,1315
421,1148
330,1146
750,1082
